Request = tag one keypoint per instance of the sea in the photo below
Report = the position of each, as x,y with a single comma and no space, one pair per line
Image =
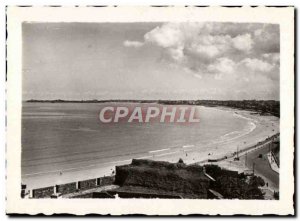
68,136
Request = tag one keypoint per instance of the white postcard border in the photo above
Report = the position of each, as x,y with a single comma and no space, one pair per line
282,16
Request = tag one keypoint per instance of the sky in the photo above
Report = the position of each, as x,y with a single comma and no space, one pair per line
222,61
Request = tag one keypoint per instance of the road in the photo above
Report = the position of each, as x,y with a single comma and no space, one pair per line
262,166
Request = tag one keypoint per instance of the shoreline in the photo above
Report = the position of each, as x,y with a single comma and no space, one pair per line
189,153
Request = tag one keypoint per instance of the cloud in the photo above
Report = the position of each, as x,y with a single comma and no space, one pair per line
198,76
267,39
209,45
257,65
272,57
218,49
166,36
197,45
176,53
135,44
222,65
243,42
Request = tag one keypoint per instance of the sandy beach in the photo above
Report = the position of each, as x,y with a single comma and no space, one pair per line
257,128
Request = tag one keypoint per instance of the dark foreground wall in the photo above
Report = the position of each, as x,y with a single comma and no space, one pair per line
66,188
87,184
45,192
164,176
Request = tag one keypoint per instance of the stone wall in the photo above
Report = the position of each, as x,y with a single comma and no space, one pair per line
45,192
87,184
66,188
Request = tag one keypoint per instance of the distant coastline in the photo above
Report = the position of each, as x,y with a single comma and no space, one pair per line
263,107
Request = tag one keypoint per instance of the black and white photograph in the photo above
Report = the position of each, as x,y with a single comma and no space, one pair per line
175,109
